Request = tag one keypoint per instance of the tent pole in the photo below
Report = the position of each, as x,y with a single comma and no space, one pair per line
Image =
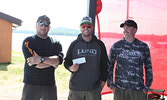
91,12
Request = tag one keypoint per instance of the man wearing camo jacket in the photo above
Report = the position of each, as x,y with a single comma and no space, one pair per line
130,54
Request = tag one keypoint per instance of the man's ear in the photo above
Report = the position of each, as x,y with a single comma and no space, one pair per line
135,30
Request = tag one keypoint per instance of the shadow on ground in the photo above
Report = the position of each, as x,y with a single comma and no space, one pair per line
3,66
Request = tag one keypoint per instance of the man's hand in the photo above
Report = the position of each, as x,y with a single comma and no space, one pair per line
34,59
145,92
102,84
113,89
74,67
55,66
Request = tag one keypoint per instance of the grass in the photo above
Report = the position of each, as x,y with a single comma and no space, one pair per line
11,77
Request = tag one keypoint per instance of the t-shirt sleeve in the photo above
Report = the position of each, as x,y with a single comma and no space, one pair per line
27,47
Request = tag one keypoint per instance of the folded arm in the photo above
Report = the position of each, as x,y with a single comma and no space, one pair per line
49,61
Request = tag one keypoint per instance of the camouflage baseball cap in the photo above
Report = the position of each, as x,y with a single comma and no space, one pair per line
86,19
43,17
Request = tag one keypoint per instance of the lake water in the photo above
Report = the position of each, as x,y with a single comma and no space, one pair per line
17,40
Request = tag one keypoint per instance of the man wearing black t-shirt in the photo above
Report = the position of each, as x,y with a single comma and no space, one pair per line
42,56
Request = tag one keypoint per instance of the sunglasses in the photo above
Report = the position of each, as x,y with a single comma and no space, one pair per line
43,24
86,25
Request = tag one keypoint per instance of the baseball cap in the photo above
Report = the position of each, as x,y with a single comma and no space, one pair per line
43,17
130,23
86,19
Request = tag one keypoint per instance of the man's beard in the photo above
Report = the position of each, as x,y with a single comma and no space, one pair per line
42,35
88,35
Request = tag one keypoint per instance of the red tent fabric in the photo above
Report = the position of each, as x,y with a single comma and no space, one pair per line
150,16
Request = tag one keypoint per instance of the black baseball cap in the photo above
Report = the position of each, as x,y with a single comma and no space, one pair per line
130,23
43,17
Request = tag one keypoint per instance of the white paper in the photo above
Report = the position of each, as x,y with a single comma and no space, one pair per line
79,60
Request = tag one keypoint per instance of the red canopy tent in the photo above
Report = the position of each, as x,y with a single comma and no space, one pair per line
150,16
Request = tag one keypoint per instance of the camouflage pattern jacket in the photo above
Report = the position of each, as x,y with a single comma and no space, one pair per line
130,58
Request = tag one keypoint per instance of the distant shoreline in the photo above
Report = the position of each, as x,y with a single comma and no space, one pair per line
52,31
61,34
17,39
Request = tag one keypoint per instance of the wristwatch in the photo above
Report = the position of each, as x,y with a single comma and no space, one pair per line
42,59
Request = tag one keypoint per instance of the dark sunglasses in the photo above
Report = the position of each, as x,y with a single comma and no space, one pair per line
86,25
43,24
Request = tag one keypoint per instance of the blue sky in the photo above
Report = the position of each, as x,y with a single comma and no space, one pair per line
62,13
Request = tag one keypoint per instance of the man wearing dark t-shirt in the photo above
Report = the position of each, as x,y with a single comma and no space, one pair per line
42,56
